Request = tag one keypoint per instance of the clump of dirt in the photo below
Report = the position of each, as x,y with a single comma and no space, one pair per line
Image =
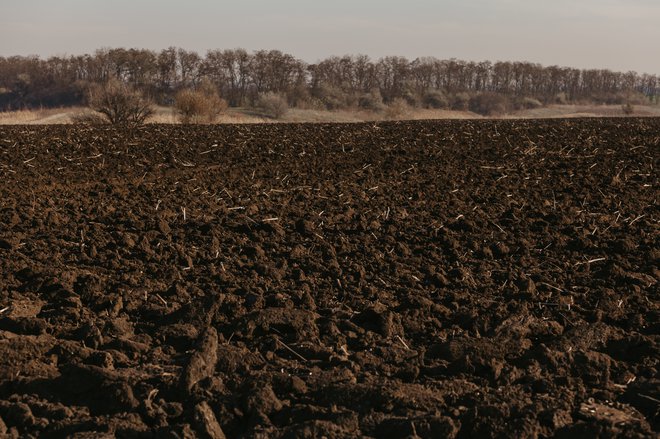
404,279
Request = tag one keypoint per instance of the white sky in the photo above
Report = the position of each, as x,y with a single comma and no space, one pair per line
616,34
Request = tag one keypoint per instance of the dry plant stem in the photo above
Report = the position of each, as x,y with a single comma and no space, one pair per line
285,346
591,261
405,345
636,219
552,286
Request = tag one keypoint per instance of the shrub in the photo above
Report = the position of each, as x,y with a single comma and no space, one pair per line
119,103
460,102
531,103
488,104
371,101
561,98
636,98
628,109
397,109
333,97
435,99
620,98
526,103
198,106
410,94
300,97
86,118
273,105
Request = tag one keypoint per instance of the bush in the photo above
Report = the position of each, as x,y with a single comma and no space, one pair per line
435,99
460,102
331,97
397,109
410,94
300,97
628,109
526,104
620,98
488,104
636,98
198,106
273,105
119,103
372,101
86,118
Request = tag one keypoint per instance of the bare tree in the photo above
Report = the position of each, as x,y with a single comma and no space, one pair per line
189,64
119,103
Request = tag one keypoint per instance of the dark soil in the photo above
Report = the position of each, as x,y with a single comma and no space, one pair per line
439,279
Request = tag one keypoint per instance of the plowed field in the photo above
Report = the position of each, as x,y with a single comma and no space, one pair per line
439,279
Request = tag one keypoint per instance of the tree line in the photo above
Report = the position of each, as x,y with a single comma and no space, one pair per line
241,78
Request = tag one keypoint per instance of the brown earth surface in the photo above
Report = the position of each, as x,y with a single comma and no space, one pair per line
404,279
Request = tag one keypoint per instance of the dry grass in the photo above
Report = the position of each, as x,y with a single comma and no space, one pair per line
49,116
555,111
167,115
164,115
